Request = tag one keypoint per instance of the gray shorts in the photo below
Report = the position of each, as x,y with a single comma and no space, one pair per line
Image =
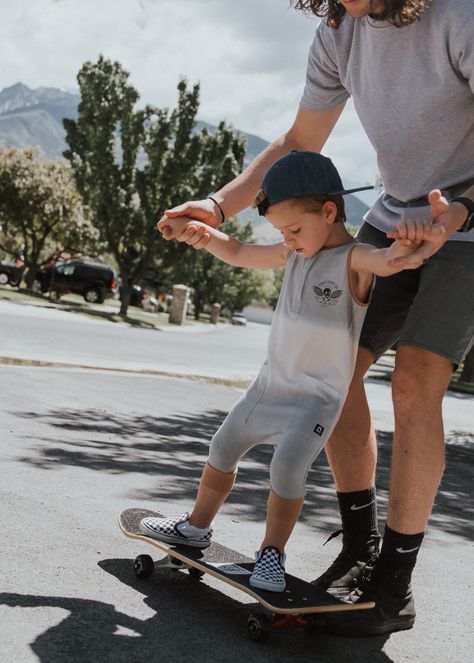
431,307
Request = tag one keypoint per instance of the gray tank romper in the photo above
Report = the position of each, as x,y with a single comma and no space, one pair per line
297,396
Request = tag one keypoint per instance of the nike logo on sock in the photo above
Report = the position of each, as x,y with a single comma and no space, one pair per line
354,507
401,550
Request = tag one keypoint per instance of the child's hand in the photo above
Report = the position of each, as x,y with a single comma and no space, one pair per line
184,229
170,228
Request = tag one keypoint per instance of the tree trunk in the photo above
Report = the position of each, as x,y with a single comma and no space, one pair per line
125,302
467,374
30,277
132,268
197,308
125,296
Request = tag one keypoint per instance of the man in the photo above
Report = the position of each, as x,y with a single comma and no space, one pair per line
409,66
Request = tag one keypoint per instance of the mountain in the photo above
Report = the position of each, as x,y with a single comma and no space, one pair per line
33,118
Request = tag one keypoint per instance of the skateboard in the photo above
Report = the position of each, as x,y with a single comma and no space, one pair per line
293,608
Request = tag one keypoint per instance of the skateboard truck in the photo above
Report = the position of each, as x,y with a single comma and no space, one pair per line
260,625
144,566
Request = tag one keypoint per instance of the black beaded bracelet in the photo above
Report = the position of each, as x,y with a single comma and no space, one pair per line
220,208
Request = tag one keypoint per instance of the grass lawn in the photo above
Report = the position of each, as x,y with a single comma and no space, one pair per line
76,304
109,310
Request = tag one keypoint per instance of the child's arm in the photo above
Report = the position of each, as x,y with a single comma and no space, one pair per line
382,262
229,249
367,260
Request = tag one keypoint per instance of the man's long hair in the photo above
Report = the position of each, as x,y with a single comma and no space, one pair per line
397,12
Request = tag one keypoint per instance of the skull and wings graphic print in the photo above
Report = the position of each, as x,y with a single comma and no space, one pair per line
327,293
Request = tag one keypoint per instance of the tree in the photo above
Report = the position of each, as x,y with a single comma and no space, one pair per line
278,276
131,165
41,212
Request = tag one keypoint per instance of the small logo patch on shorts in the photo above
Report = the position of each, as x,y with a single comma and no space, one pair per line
318,429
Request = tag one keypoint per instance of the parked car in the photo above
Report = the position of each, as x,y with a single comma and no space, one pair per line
10,273
94,281
152,304
136,296
239,319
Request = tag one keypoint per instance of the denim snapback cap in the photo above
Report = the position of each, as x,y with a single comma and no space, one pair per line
301,173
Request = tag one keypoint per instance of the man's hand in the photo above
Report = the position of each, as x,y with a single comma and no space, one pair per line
200,210
184,229
430,236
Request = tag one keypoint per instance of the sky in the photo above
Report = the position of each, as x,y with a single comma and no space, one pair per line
249,57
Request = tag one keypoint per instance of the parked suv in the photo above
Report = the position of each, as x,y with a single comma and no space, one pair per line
10,273
93,281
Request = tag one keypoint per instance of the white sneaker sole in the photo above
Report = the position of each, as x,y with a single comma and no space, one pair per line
266,584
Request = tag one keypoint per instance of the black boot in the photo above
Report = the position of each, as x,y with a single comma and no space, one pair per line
394,607
355,561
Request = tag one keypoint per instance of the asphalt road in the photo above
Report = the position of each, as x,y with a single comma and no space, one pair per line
30,332
79,445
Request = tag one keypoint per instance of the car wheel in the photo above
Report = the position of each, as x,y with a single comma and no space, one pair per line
93,296
3,278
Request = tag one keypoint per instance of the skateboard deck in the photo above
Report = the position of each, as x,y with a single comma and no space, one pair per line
233,568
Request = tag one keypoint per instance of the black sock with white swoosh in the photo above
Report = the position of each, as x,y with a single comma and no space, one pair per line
399,551
358,514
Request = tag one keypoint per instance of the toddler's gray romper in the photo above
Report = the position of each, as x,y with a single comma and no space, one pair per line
297,396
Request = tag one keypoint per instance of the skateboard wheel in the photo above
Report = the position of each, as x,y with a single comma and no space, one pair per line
143,566
195,573
259,627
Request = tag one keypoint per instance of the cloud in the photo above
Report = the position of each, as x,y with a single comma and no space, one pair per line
250,58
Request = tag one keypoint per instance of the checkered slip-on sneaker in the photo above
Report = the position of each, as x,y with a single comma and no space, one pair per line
176,530
269,570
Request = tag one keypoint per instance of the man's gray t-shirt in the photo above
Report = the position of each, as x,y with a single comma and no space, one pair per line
413,90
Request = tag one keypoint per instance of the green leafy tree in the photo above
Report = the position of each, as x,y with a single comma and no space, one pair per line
278,275
131,165
41,212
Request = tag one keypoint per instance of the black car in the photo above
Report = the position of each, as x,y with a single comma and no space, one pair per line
93,281
136,296
10,273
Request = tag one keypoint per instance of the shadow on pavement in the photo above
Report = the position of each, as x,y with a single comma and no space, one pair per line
173,450
192,621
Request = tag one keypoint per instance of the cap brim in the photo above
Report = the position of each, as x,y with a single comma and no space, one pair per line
344,192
